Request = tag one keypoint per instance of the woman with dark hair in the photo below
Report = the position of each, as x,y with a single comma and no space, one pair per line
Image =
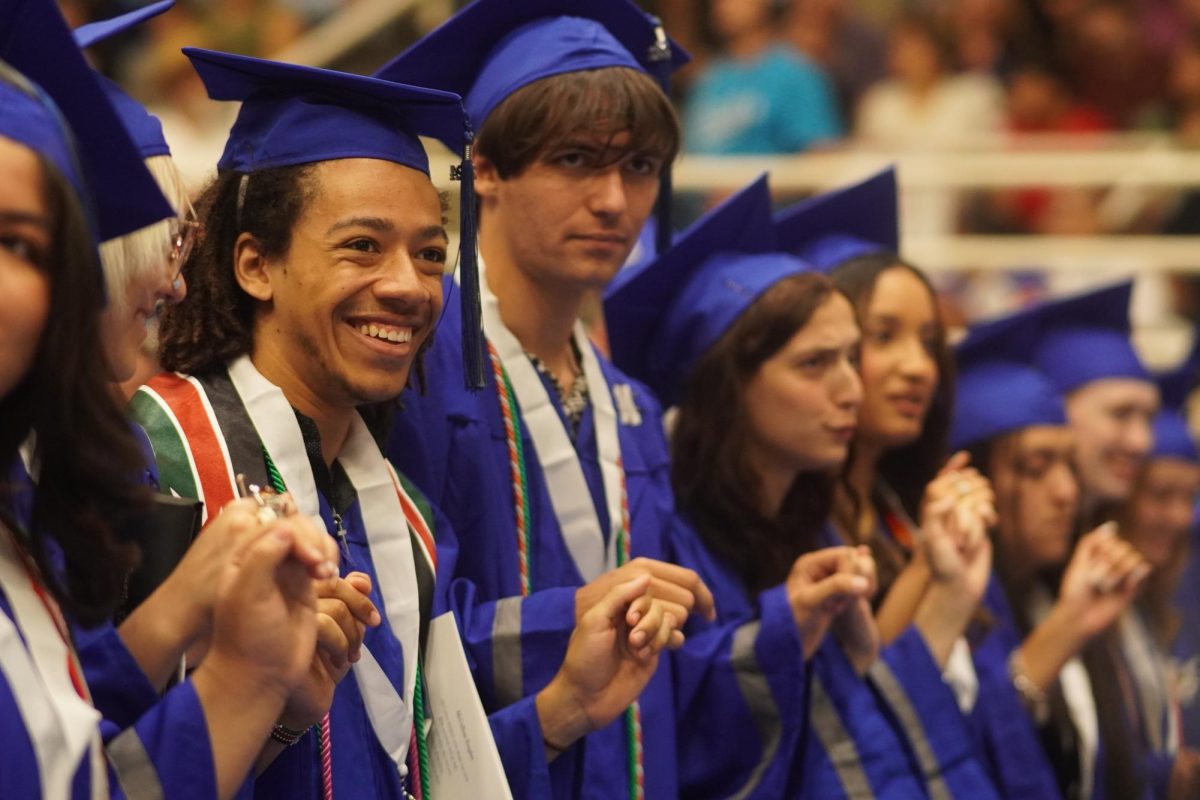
896,468
68,565
1056,606
907,371
760,354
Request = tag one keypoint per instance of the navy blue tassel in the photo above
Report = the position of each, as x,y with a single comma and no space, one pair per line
468,278
658,59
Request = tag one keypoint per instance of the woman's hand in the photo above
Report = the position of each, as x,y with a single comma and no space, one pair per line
824,584
854,627
1101,581
956,512
264,635
178,615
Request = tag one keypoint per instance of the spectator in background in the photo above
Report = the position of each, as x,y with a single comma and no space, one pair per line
924,104
842,41
990,36
1110,63
759,95
1040,102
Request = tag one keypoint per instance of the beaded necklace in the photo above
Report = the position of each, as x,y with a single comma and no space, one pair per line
420,780
635,757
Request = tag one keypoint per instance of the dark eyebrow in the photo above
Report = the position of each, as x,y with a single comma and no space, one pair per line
435,232
818,350
24,218
378,224
580,144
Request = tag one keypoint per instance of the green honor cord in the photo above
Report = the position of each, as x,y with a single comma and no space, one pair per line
418,689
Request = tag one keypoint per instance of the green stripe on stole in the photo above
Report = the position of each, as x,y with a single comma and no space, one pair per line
170,451
419,500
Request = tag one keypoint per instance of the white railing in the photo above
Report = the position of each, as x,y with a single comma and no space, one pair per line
1128,170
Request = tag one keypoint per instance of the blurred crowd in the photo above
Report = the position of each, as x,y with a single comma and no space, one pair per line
786,76
783,77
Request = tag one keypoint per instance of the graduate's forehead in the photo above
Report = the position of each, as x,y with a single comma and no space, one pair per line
369,188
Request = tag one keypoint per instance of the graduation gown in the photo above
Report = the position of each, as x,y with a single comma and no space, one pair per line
224,422
453,444
108,734
990,750
838,740
155,745
1185,650
1004,735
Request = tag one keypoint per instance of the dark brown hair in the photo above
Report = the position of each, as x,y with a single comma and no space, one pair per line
715,486
216,322
600,102
906,470
85,459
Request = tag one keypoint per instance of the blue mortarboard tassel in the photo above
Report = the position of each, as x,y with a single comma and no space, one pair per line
468,276
658,59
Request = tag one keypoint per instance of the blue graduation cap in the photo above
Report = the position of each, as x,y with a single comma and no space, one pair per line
664,314
997,389
292,114
35,39
1172,438
836,226
492,48
144,128
34,121
1085,337
96,32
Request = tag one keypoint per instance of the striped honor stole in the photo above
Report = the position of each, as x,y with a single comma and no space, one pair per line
206,430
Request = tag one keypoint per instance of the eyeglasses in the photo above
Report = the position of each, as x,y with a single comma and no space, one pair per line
185,233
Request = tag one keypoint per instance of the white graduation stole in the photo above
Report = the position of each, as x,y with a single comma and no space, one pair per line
569,495
387,536
63,727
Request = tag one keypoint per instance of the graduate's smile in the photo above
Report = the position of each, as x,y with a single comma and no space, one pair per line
385,335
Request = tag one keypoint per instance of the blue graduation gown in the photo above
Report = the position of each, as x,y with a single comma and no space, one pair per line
1004,735
992,751
836,739
450,442
1008,639
747,669
361,766
150,739
1186,648
152,743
